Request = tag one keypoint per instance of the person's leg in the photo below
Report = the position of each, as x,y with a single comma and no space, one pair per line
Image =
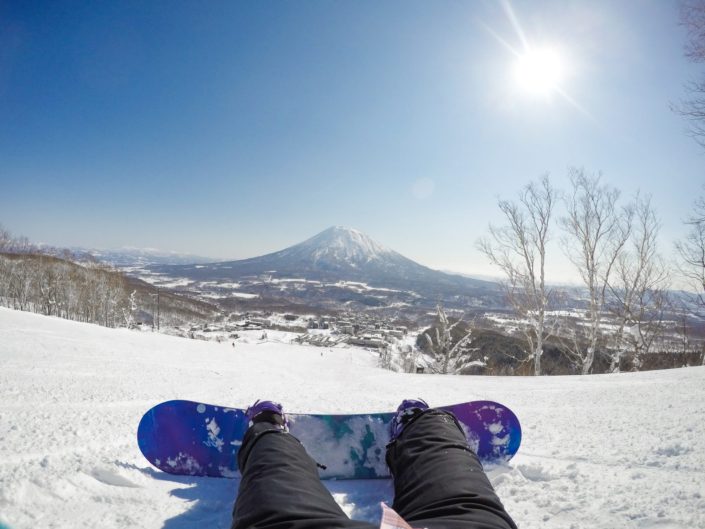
439,482
280,487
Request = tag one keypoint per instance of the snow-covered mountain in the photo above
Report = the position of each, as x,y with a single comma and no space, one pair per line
340,254
339,248
336,253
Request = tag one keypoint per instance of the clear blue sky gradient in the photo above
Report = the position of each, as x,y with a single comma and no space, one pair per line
231,129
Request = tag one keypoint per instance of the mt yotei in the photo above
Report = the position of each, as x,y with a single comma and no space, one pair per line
341,254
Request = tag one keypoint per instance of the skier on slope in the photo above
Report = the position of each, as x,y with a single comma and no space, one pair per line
439,482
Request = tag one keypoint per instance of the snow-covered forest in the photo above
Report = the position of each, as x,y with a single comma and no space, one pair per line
77,287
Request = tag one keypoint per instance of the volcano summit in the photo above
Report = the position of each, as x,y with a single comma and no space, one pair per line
341,254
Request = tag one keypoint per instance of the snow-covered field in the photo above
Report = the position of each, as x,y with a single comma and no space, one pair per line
606,451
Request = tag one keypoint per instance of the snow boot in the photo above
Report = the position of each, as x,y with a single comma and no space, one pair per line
267,411
407,411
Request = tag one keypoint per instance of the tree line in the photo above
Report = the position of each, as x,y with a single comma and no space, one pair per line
612,245
33,280
78,287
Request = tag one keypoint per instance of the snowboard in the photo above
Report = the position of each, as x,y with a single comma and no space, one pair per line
197,439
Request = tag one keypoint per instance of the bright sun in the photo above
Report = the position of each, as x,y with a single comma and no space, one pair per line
539,71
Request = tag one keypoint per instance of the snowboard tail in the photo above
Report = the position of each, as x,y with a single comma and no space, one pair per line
193,438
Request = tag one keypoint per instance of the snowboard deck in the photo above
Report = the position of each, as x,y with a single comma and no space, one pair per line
197,439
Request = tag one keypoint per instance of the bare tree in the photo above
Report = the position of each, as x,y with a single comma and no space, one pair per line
130,310
518,248
572,336
698,213
441,345
638,290
20,285
692,17
597,230
5,239
691,251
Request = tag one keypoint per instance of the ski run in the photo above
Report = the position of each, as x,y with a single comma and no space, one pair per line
603,451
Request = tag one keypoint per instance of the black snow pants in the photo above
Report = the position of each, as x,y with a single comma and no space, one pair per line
439,482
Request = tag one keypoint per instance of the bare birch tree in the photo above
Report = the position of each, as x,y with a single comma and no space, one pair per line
5,239
596,231
441,345
638,290
518,248
692,17
691,253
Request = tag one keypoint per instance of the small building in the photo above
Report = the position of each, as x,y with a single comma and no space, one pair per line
367,341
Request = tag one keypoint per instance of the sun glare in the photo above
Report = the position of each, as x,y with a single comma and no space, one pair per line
539,71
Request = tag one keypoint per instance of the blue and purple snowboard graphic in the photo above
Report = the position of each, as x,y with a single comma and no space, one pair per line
191,438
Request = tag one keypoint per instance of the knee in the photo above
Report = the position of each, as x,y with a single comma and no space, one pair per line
253,435
429,429
434,422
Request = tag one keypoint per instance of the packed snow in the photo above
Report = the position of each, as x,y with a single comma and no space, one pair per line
604,451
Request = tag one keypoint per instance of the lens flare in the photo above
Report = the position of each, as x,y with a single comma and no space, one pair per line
539,71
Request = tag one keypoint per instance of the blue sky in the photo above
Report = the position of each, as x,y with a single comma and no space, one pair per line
231,129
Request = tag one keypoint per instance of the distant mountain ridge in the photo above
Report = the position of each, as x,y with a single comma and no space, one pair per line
341,254
131,256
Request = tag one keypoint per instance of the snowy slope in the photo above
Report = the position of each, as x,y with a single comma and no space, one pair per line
608,451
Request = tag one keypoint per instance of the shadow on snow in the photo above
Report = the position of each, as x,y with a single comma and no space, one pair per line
211,500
